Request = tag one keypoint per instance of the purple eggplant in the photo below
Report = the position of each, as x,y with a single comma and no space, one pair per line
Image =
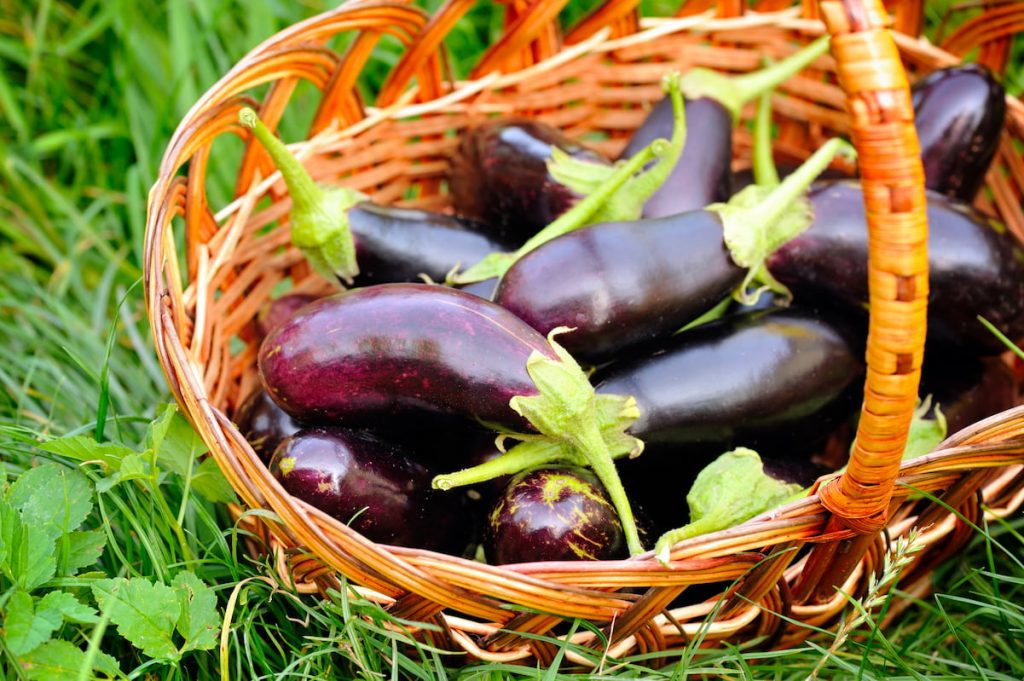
756,380
959,114
264,424
369,355
345,235
372,485
975,266
620,284
553,514
702,175
967,389
742,179
499,174
280,310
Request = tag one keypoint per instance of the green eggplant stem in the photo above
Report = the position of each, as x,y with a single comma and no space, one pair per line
733,92
524,456
765,173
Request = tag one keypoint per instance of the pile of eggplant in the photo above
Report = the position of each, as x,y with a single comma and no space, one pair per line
593,353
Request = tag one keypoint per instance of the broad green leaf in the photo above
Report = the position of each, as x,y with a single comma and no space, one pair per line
53,661
106,664
199,622
133,466
729,490
180,446
24,628
83,549
210,483
52,498
157,430
83,448
144,613
68,607
29,555
925,434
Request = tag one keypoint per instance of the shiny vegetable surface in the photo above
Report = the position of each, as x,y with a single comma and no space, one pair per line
553,514
374,486
975,266
264,424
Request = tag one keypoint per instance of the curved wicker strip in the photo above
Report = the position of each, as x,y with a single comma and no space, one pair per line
202,299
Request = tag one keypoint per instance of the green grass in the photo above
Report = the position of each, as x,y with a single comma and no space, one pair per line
89,94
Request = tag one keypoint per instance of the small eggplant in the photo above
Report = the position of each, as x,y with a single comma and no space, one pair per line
619,284
958,113
702,175
344,235
975,266
264,424
499,175
372,485
967,389
368,355
553,514
280,310
761,380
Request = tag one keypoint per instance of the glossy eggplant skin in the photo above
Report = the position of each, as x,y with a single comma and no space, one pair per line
370,354
622,283
264,424
702,174
959,114
354,474
967,389
553,514
975,267
401,244
499,175
280,310
758,380
741,179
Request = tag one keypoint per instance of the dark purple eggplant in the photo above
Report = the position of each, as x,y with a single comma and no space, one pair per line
742,179
966,389
975,266
280,310
499,174
372,485
959,114
702,175
345,235
757,380
264,424
369,355
553,514
619,284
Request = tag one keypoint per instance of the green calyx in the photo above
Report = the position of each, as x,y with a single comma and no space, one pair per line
319,216
728,491
575,426
582,214
733,92
628,201
758,220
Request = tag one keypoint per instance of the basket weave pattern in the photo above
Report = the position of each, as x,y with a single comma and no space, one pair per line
209,269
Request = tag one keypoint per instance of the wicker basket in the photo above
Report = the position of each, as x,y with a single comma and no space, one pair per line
599,77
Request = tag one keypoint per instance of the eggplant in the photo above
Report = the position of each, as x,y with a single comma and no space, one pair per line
975,266
620,284
553,514
280,310
264,424
345,235
370,355
763,380
499,175
372,485
742,179
702,175
959,114
966,389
